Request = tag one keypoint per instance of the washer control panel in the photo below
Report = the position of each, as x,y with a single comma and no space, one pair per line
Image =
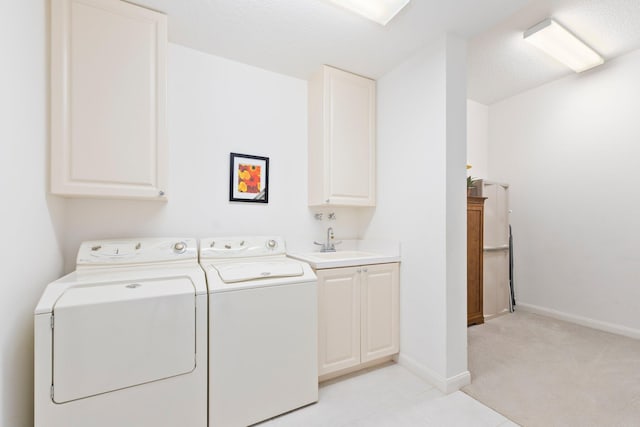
241,247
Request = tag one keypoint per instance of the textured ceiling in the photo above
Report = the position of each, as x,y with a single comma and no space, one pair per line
502,64
295,37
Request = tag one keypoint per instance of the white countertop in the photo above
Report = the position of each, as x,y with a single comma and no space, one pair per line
350,253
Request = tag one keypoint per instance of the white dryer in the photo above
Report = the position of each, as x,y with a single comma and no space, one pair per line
122,341
262,330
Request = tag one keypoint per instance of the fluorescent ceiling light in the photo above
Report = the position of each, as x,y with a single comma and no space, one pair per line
380,11
559,43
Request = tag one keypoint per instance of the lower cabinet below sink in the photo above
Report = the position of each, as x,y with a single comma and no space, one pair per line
358,317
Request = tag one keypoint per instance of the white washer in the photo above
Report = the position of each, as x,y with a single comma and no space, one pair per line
262,330
122,341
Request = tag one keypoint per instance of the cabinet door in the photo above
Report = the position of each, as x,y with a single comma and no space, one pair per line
342,154
350,133
108,61
338,319
380,311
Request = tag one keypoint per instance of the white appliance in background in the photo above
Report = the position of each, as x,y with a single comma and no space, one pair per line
262,330
122,341
496,248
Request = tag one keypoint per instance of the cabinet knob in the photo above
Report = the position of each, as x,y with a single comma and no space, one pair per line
160,193
358,271
327,201
365,269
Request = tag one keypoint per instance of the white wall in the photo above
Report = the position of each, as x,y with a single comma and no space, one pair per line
456,209
570,151
421,160
217,106
478,139
28,218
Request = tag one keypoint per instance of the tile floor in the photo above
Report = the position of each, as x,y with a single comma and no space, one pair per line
389,396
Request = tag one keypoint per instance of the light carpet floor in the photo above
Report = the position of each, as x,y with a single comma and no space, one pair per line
539,371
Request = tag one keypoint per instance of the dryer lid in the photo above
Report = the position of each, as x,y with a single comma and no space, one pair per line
244,271
113,336
102,293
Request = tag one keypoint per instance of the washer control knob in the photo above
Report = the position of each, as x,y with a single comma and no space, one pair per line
272,244
180,247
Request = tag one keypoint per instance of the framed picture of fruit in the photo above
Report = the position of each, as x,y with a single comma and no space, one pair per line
249,178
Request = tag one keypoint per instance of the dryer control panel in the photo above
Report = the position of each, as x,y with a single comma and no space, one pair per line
136,251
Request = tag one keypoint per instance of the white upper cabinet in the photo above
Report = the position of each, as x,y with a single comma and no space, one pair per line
108,78
342,161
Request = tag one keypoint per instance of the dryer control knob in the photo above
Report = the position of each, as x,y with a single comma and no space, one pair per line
271,244
180,247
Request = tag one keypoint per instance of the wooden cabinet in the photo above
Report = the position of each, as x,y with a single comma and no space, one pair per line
108,78
475,220
358,316
342,108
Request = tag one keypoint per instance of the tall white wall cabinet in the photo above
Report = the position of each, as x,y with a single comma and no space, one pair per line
108,78
342,160
358,317
496,247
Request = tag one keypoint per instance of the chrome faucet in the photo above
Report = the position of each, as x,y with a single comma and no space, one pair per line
329,245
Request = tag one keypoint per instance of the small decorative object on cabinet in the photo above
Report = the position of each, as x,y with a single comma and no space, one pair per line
471,181
342,108
475,218
358,317
108,79
470,185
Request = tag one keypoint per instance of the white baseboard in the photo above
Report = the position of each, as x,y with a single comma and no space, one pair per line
445,385
584,321
456,382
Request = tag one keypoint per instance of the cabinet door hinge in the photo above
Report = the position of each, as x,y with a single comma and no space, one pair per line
52,321
51,391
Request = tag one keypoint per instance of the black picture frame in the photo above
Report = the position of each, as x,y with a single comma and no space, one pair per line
248,178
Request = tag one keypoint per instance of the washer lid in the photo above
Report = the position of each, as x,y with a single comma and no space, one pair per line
244,271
